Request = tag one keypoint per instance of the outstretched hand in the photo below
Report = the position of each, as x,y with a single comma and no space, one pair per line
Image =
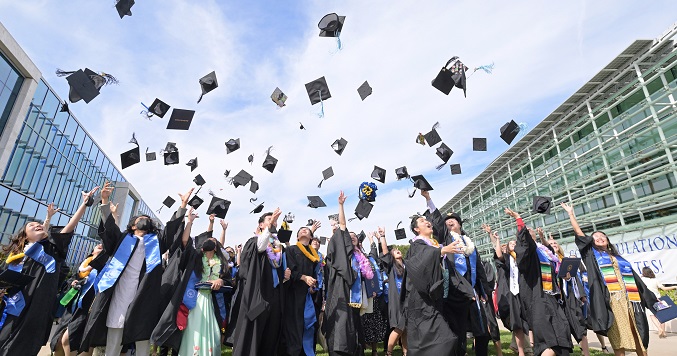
486,228
106,192
512,213
185,197
341,198
567,207
51,210
224,224
87,195
191,216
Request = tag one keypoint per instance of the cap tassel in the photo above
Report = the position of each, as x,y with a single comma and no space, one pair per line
159,210
489,68
226,173
398,225
321,114
200,99
211,192
109,79
411,195
147,113
320,185
441,166
338,40
351,219
63,73
522,129
251,200
436,126
133,140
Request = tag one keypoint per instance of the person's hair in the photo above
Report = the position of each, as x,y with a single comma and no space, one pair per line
414,224
199,268
262,218
648,272
132,221
611,249
316,239
16,243
397,264
560,249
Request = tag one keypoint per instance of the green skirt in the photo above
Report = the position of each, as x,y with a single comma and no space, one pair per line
202,336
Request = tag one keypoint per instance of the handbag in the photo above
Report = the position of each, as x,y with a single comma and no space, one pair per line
444,81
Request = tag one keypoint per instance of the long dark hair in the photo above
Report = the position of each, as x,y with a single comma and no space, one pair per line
610,248
397,264
647,272
199,268
132,221
16,243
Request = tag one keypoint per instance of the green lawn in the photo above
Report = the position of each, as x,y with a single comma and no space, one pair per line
505,343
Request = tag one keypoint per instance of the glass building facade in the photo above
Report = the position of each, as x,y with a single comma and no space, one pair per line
610,149
53,160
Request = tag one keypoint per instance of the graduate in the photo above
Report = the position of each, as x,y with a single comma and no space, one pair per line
428,333
342,320
463,314
261,297
540,293
39,251
393,262
508,293
488,306
128,304
617,310
319,296
306,280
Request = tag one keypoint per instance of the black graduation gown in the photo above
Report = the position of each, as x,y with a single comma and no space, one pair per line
295,299
489,311
509,305
548,321
147,305
600,316
260,305
395,313
573,308
27,333
339,323
166,333
428,333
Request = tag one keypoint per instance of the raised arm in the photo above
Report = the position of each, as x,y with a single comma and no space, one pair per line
210,228
262,241
342,215
541,236
50,212
224,227
73,222
189,225
572,218
495,240
105,202
382,239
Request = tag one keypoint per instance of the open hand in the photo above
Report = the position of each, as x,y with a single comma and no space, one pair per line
341,198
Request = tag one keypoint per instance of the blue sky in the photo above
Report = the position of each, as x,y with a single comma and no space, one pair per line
543,52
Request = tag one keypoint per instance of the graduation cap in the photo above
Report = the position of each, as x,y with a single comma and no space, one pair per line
363,209
258,208
168,202
326,174
219,207
208,83
198,180
364,90
379,174
270,162
130,157
64,107
254,187
278,97
432,137
361,236
124,7
541,205
420,183
171,154
158,108
242,178
331,25
444,153
339,145
401,173
318,90
509,131
289,218
301,127
180,119
450,77
12,279
232,145
400,233
192,163
195,202
323,240
150,156
455,168
334,217
226,173
479,144
85,84
284,235
315,202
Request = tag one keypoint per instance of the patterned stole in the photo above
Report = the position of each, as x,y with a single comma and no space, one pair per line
546,273
606,267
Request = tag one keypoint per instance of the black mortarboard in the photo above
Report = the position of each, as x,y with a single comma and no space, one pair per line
301,127
421,183
444,153
326,174
124,7
455,168
361,236
219,207
400,233
258,209
432,137
363,209
180,119
323,240
82,87
254,187
270,162
250,159
150,156
159,108
232,145
401,173
226,173
331,25
378,174
171,154
242,178
541,205
509,131
318,90
479,144
198,180
284,235
278,97
364,90
315,202
192,163
195,202
333,217
339,145
168,202
11,279
130,157
208,83
64,107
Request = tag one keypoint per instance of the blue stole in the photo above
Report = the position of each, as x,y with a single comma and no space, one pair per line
377,274
462,265
320,276
190,294
113,269
309,320
37,253
91,278
356,288
398,283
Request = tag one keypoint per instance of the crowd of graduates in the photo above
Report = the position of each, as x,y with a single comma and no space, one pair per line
172,291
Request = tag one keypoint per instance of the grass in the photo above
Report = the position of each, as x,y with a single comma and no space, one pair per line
505,346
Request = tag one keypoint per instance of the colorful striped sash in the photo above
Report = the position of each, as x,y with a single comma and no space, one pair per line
606,267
